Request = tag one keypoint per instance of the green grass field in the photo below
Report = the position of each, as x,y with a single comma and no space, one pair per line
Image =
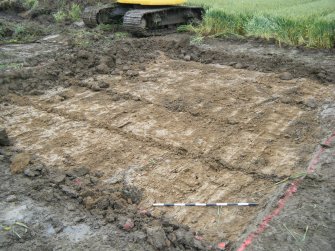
297,22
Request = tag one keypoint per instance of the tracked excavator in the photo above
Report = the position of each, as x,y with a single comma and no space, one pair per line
143,17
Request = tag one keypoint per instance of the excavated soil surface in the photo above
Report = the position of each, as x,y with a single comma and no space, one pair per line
110,130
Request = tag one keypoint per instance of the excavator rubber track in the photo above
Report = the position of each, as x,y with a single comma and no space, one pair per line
93,16
133,23
141,22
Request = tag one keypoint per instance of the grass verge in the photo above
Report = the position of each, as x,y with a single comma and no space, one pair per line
309,23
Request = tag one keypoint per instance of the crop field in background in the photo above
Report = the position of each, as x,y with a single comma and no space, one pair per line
297,22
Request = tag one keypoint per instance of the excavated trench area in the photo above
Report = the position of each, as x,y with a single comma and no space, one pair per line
179,132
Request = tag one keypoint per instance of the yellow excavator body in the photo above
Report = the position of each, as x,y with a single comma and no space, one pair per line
153,2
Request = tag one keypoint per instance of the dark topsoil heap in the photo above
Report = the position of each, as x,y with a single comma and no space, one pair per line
105,54
70,64
110,211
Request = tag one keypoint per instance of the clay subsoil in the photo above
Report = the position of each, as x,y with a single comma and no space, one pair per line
98,134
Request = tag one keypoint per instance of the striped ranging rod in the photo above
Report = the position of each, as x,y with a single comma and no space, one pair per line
204,204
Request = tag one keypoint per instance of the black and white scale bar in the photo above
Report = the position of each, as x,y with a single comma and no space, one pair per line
204,204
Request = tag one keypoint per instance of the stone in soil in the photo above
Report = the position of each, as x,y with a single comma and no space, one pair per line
125,68
125,223
58,178
34,170
99,174
78,172
89,202
286,76
311,103
95,87
240,66
187,58
69,191
103,85
31,172
4,140
20,162
157,238
129,225
103,69
131,73
11,198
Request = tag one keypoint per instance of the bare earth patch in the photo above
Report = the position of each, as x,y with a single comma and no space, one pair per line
179,132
